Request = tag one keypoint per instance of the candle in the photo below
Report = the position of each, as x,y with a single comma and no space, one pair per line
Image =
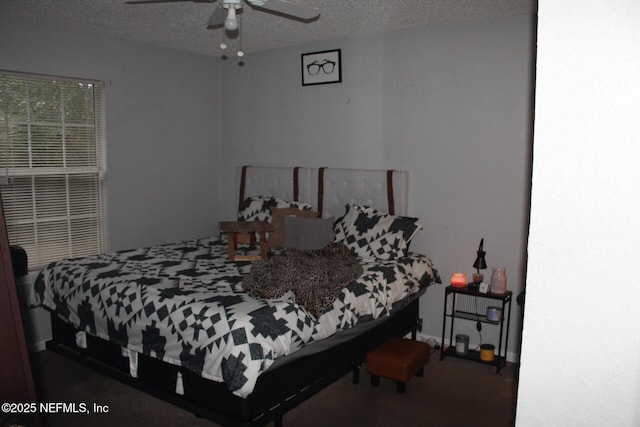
458,280
487,352
494,314
462,344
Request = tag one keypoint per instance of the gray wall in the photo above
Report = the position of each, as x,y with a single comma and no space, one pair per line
162,128
450,104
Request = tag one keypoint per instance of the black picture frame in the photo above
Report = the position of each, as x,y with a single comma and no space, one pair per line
324,67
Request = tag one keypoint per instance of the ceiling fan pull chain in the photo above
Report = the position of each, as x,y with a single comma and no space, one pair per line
240,51
223,45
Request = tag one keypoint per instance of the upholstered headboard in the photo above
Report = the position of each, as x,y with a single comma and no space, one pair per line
386,191
327,189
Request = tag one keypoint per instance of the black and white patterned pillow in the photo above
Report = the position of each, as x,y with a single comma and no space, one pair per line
258,208
375,235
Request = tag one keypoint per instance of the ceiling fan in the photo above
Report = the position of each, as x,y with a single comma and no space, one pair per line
225,12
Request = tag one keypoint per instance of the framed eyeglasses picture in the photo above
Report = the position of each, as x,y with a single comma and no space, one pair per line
321,67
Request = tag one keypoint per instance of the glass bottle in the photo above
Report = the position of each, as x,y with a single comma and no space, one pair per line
498,280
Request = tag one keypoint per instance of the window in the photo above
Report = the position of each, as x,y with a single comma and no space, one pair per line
52,166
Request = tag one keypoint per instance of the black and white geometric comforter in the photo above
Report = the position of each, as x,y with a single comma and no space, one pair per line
184,304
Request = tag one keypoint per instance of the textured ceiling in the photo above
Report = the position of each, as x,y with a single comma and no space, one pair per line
183,25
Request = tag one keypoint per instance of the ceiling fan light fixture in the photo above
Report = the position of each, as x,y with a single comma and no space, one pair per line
231,23
225,15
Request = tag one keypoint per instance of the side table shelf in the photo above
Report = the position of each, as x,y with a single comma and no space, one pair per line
457,310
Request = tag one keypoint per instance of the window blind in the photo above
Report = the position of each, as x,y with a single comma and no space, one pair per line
52,165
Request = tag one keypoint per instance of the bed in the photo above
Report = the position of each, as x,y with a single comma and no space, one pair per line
184,323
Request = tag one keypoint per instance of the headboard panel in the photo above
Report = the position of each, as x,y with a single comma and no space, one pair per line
280,182
364,187
328,189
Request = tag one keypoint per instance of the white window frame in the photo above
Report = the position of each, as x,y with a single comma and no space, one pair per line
53,212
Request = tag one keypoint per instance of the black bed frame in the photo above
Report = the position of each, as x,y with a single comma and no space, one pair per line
277,390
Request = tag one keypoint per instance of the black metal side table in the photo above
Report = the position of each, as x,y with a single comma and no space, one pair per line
463,306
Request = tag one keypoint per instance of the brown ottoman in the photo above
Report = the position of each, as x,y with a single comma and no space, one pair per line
398,359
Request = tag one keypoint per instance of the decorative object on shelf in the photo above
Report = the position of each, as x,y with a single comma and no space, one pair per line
494,313
458,280
462,344
487,352
477,279
499,280
479,264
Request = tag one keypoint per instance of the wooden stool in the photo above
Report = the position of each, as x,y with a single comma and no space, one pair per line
237,230
398,359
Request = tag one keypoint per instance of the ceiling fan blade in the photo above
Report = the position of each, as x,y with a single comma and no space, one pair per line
306,13
216,20
168,1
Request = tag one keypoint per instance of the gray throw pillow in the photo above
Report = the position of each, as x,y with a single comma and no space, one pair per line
307,233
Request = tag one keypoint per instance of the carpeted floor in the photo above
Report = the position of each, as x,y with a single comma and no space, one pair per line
453,392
